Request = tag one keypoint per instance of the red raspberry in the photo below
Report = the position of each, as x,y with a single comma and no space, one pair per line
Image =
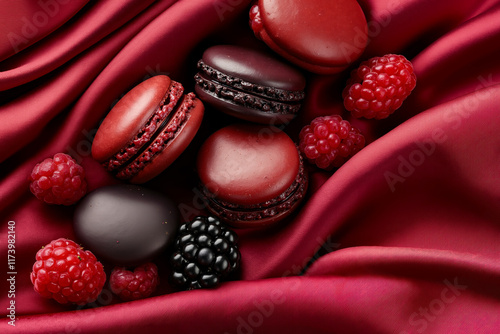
255,20
134,285
59,180
379,86
330,141
67,273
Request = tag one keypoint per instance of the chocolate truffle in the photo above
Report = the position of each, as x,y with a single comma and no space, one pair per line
125,224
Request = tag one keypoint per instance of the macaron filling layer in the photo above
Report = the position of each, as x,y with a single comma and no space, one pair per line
159,119
261,90
247,94
283,203
169,129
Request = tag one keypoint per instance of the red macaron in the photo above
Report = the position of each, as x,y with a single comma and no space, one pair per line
251,175
321,36
147,129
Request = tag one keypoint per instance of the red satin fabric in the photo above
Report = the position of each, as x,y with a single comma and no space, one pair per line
404,238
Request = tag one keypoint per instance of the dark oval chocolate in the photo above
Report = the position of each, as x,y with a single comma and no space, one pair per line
125,224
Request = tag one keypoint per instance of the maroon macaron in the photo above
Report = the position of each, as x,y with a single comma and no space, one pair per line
147,129
251,175
321,36
250,84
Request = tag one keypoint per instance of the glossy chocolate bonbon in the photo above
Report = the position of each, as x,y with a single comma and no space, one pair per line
125,224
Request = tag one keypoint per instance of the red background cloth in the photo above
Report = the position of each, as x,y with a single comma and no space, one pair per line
404,238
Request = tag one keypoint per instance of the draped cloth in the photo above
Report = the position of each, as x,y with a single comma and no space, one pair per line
403,238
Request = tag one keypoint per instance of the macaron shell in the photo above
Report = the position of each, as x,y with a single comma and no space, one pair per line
323,35
314,68
243,112
263,222
254,66
128,116
248,164
176,145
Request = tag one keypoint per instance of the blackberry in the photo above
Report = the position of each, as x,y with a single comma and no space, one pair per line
206,252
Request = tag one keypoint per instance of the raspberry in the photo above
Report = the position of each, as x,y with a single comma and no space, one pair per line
255,20
67,273
330,141
59,180
134,285
379,86
206,253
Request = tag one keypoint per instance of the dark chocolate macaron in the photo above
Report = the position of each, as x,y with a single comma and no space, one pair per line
251,175
249,84
126,224
147,129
